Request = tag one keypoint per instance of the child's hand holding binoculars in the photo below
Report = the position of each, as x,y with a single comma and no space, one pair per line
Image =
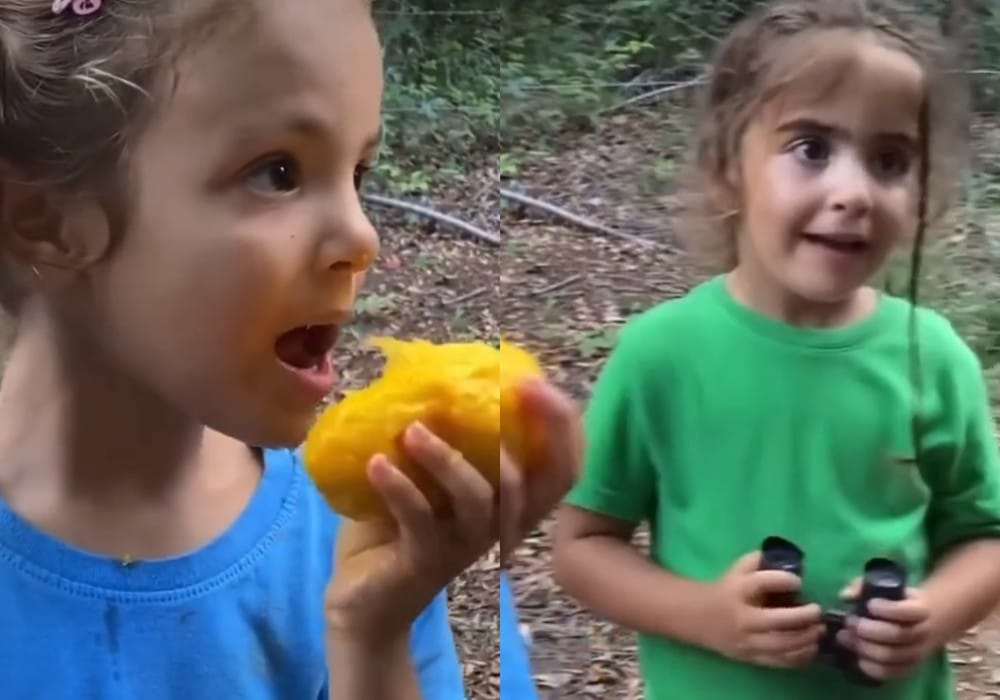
895,640
741,626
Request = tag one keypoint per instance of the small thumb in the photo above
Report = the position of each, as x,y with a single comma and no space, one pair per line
559,416
852,590
748,563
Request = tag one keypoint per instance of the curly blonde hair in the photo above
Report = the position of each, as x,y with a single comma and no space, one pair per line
776,46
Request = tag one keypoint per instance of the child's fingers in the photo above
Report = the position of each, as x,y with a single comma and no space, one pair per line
879,631
511,514
784,649
470,494
852,590
561,419
905,612
787,641
409,508
747,564
885,632
879,660
847,639
759,584
886,662
886,655
797,658
883,672
769,620
543,485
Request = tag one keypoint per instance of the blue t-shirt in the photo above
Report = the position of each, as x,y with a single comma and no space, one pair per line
240,618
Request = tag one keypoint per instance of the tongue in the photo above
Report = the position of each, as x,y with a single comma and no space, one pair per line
304,347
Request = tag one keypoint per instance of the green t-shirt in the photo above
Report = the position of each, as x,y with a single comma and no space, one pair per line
719,426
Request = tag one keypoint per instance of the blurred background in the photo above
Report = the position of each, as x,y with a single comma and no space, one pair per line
526,183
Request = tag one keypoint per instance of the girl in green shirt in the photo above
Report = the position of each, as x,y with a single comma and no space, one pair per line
787,396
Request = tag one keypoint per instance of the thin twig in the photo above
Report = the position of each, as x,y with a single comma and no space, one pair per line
580,221
561,284
467,297
468,228
658,92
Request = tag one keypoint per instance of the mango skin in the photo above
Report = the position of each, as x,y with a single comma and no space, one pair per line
467,393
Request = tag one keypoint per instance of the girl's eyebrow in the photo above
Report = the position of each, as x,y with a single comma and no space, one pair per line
806,124
817,127
302,123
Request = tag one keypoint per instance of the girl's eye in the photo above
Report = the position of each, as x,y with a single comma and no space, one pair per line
279,175
360,172
892,163
812,149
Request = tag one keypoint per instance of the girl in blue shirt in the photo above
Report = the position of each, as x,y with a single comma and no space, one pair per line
181,239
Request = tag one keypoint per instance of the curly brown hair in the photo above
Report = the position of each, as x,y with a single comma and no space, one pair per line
780,44
74,90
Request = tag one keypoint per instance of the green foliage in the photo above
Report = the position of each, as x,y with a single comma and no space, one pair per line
459,73
442,71
564,62
567,59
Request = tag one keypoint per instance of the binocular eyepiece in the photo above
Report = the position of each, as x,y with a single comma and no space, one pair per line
778,554
882,578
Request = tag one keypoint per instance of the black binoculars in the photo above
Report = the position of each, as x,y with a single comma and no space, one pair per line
882,578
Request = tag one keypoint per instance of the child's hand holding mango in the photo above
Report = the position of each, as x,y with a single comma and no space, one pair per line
471,395
424,508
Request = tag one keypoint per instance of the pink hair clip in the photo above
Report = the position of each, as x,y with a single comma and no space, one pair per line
81,8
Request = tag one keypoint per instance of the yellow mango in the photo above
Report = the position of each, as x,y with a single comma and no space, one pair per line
466,393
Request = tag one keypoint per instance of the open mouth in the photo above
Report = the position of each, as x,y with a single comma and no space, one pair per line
840,244
306,347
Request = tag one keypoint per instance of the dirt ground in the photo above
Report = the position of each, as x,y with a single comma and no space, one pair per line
563,292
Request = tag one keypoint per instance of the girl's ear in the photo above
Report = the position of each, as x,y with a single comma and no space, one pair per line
726,187
39,226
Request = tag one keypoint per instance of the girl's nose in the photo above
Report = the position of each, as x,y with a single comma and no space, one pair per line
851,190
351,243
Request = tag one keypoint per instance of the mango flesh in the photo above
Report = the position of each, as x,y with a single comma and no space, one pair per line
467,393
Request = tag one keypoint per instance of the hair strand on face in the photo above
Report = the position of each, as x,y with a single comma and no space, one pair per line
916,259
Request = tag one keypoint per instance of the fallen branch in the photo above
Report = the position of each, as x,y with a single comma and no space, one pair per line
580,221
467,297
652,94
474,231
561,284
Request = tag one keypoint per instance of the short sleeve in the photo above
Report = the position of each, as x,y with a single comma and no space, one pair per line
434,655
965,495
618,478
